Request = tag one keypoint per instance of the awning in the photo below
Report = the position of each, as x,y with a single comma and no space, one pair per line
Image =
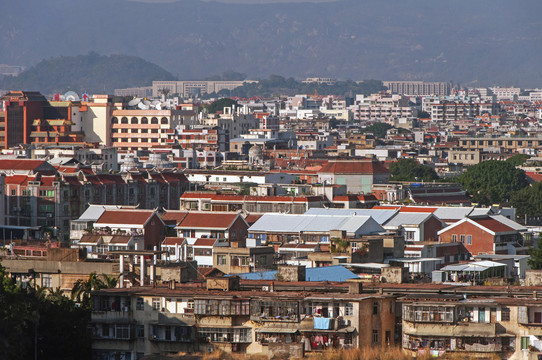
278,330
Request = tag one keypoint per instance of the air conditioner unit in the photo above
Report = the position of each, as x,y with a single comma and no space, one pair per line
265,288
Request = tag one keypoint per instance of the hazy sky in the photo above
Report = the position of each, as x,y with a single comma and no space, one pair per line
242,1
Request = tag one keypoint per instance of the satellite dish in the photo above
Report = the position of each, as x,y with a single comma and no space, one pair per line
156,102
142,106
134,102
146,102
158,107
71,96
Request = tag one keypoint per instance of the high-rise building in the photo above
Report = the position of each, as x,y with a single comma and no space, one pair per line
418,88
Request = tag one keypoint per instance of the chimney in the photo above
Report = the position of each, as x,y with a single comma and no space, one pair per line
172,284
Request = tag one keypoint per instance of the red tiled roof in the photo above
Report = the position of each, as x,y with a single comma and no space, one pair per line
208,220
205,242
536,177
47,180
173,241
493,225
120,239
121,217
174,217
408,209
354,167
20,164
367,197
16,179
252,218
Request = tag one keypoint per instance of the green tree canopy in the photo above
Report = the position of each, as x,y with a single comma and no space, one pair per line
378,129
411,170
517,160
528,201
535,261
492,181
423,115
48,316
220,104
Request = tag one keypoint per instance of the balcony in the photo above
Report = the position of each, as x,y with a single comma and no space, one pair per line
111,316
455,330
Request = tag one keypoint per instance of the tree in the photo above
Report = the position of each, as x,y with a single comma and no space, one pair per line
528,201
492,181
411,170
82,288
40,319
517,160
424,115
535,261
378,129
220,104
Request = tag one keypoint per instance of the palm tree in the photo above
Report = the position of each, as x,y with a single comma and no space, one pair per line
82,288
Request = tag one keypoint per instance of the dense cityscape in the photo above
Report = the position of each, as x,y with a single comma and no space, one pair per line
167,220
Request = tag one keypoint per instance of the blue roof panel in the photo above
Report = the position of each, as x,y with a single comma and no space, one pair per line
336,273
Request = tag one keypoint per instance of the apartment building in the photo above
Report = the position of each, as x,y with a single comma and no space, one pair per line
194,88
236,121
206,201
506,144
418,88
381,106
473,328
47,200
159,320
213,139
142,129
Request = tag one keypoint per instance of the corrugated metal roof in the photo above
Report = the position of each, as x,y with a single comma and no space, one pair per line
506,221
93,212
292,223
380,216
452,213
480,211
402,219
335,273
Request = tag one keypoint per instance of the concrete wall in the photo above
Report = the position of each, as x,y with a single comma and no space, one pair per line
394,274
285,351
291,273
533,277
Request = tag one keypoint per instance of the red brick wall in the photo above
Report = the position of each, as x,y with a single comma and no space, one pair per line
154,232
240,227
482,242
430,229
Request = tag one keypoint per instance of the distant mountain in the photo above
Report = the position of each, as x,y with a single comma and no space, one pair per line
91,73
480,42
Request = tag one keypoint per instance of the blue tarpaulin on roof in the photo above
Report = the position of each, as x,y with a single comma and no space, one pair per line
330,273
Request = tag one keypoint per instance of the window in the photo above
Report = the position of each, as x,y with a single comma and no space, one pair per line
140,304
375,308
409,235
469,239
524,343
349,309
505,314
122,331
156,303
454,238
221,259
140,331
462,238
47,280
375,336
